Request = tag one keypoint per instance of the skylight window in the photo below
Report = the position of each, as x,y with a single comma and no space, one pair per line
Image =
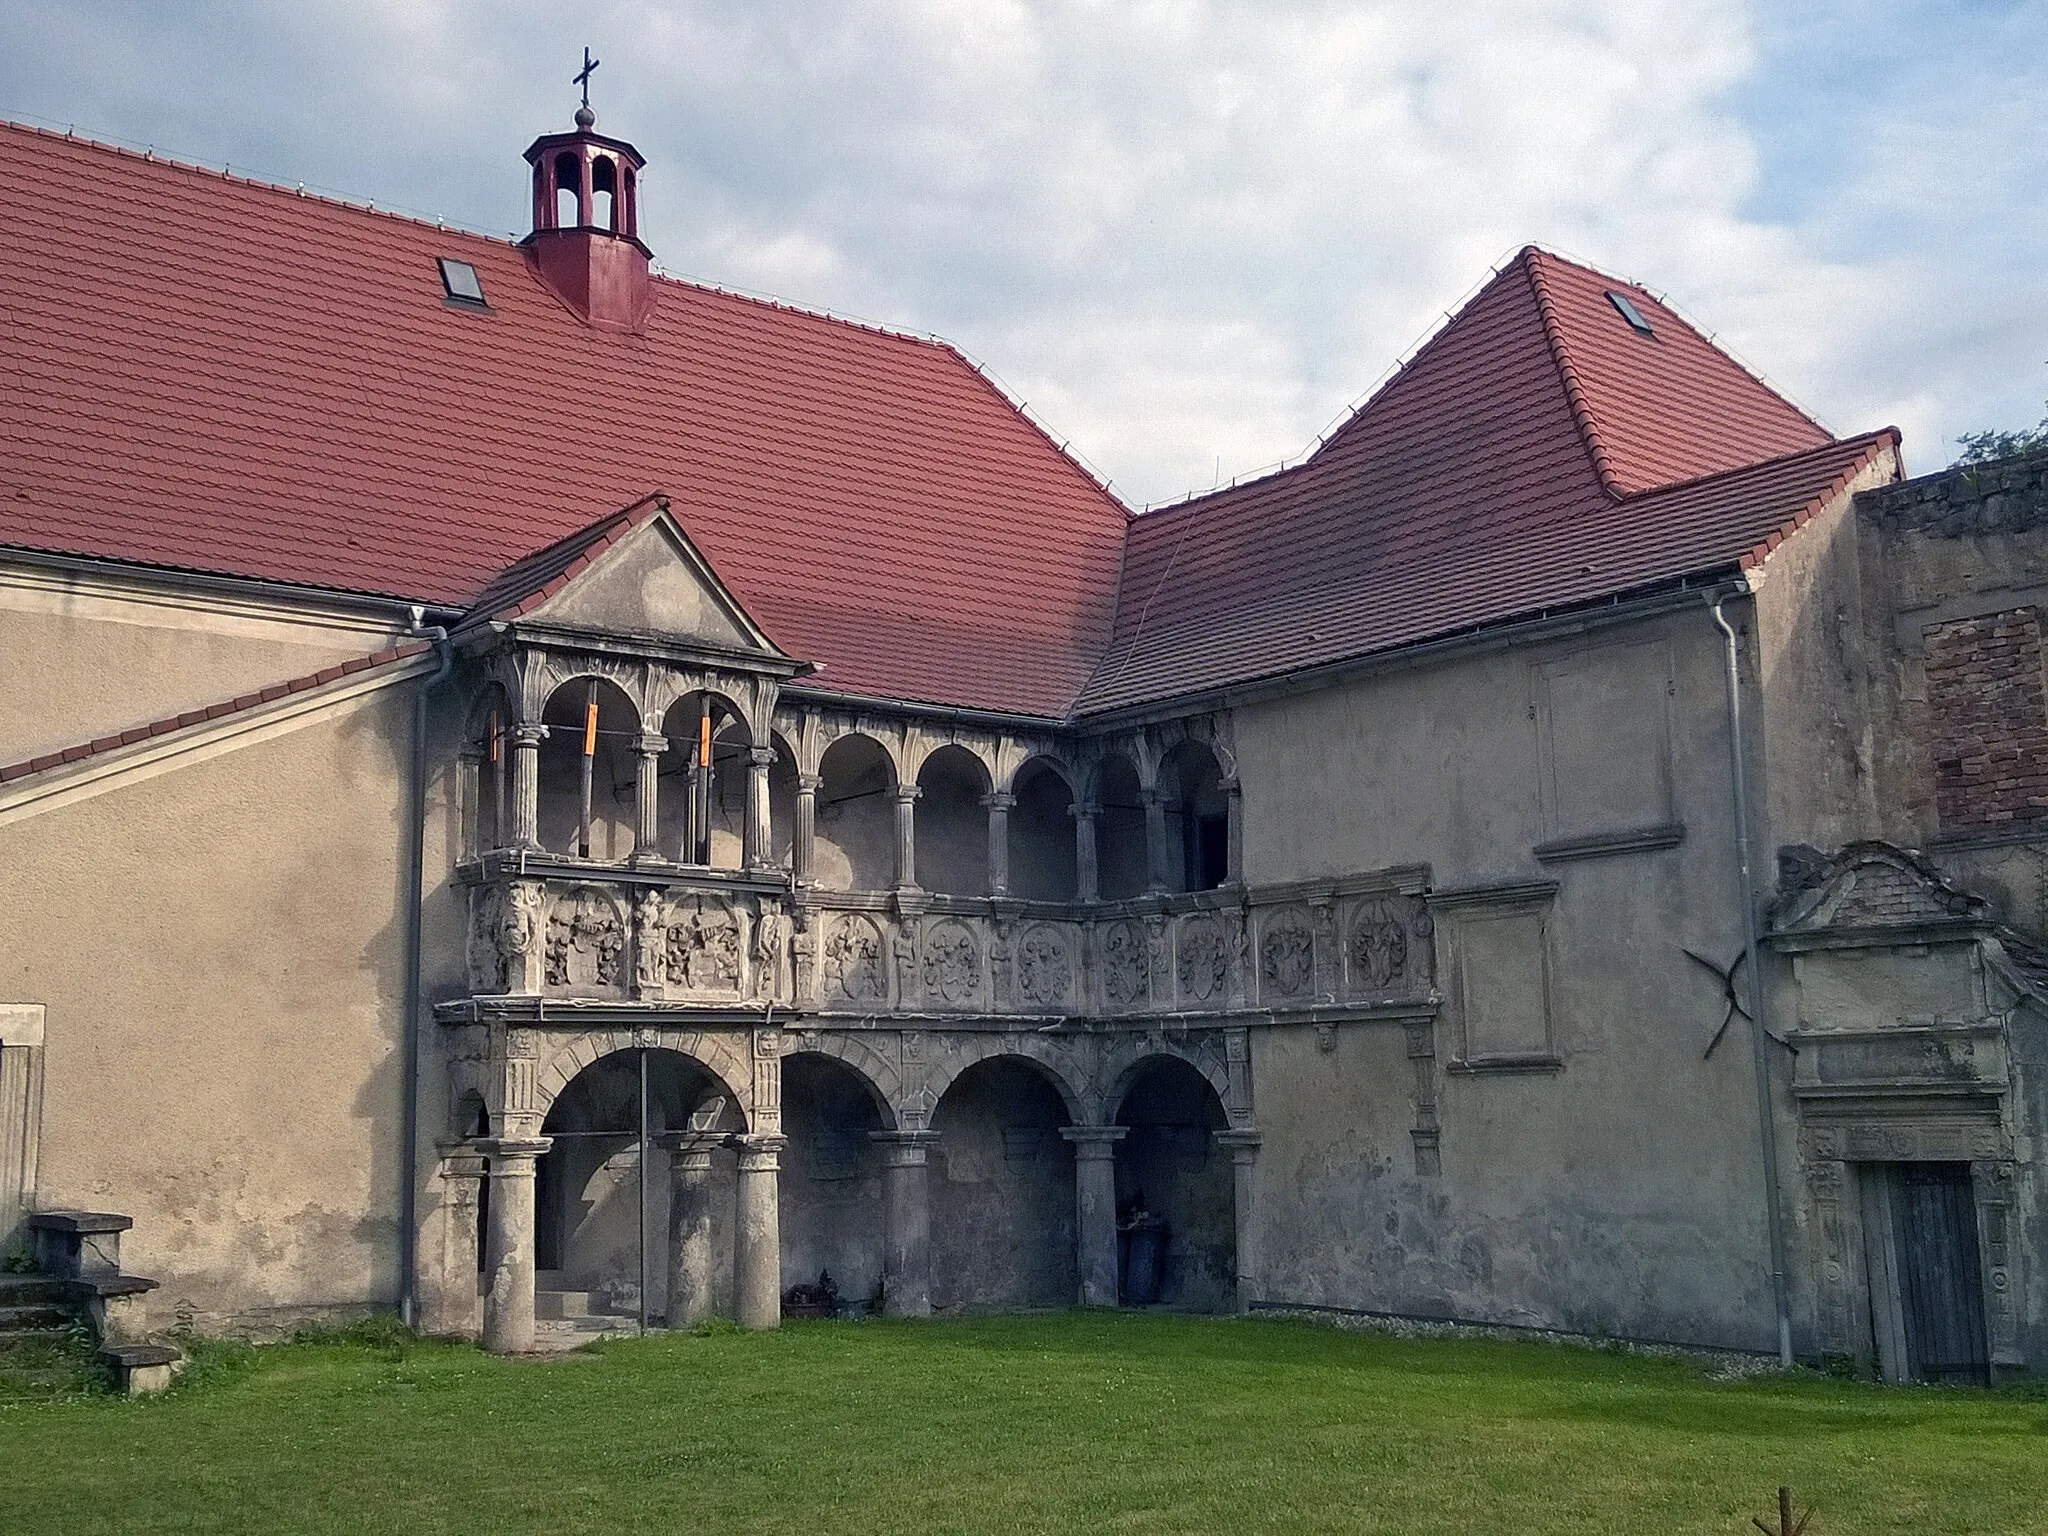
1628,310
460,280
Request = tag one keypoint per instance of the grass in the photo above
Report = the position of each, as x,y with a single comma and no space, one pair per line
1098,1422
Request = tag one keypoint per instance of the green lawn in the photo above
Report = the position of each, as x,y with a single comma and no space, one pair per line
1079,1422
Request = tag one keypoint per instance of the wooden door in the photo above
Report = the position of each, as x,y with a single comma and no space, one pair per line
1941,1286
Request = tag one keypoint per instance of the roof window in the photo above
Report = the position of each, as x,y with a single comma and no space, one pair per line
1620,301
461,283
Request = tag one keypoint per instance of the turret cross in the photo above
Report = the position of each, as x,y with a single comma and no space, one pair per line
589,67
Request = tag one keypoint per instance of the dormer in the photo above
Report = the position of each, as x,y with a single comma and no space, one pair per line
585,245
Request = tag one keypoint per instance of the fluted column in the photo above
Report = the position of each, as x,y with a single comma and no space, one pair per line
999,806
509,1250
905,796
757,1259
1087,884
1244,1154
906,1223
1233,871
760,838
1156,875
804,850
689,1225
526,739
647,836
1095,1209
447,1281
470,792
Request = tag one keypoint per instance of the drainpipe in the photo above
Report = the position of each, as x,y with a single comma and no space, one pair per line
416,830
1759,1037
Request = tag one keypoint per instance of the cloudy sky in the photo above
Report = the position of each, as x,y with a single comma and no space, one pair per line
1192,234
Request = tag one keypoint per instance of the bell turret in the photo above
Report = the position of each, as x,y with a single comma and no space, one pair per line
585,245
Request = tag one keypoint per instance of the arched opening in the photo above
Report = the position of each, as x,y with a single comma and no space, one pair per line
1042,835
831,1185
487,782
587,1192
856,832
629,219
589,791
568,191
1002,1191
1175,1192
1121,864
604,186
1197,818
952,823
701,804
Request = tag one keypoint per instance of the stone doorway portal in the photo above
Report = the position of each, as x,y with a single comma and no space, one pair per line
1170,1171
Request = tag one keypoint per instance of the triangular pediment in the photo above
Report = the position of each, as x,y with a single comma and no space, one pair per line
634,573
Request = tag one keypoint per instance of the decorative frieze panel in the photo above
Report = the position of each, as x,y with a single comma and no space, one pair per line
1201,962
952,965
1287,956
1126,967
1388,950
854,970
586,943
1045,968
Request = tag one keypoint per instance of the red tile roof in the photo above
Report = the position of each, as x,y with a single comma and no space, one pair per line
217,375
212,374
171,724
1510,467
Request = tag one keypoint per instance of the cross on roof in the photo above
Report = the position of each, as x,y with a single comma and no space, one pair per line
589,66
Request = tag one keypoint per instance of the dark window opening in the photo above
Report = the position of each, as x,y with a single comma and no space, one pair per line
1629,312
461,282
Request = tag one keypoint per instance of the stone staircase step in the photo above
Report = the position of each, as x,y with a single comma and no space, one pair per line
33,1290
35,1317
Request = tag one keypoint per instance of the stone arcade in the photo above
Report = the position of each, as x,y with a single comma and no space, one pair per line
543,791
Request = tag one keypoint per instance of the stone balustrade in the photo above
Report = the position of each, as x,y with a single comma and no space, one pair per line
550,927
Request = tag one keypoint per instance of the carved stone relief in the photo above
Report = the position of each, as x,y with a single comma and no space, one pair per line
1390,953
586,945
771,938
1287,957
650,945
1044,972
1126,970
853,961
952,963
1203,966
487,959
704,945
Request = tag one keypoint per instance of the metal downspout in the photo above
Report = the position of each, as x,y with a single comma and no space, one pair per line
1767,1120
416,830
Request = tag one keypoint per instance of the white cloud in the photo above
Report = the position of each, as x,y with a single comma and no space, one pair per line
1186,230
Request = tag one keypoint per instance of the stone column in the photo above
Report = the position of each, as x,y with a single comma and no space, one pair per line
647,751
1095,1209
1155,839
760,835
804,851
905,796
689,1224
999,805
906,1223
508,1258
448,1291
526,739
1244,1152
1234,832
1087,884
757,1259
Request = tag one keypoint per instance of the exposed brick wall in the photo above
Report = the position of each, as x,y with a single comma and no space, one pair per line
1987,697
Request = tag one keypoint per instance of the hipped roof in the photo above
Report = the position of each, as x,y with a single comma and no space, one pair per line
211,374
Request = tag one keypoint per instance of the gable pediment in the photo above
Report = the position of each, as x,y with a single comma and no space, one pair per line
1871,889
636,574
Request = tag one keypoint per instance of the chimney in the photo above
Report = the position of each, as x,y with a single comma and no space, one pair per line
585,245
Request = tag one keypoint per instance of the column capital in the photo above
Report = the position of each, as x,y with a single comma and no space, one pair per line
905,794
762,757
1094,1143
528,733
1243,1143
1084,810
999,800
1155,796
760,1154
506,1152
650,744
809,783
